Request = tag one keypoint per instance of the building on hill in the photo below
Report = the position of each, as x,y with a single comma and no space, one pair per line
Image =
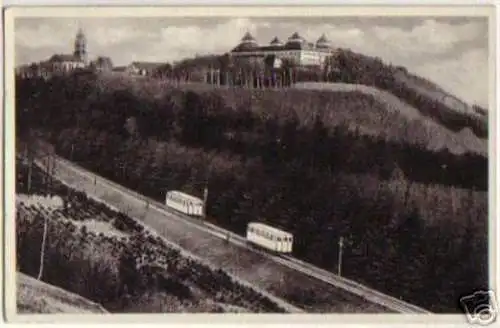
64,63
143,68
59,63
296,48
119,69
27,71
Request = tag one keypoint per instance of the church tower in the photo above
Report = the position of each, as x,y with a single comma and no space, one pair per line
80,46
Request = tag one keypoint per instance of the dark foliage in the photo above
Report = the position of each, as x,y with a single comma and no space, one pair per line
294,167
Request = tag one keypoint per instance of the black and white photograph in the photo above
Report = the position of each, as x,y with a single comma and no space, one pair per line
252,164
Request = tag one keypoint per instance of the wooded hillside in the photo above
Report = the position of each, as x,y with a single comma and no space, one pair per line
321,165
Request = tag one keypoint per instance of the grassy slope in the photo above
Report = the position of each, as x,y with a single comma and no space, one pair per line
419,84
374,112
457,142
34,296
433,91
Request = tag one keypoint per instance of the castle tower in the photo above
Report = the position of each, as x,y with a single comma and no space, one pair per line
80,46
276,42
323,42
249,39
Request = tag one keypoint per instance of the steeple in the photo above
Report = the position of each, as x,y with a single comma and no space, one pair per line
80,46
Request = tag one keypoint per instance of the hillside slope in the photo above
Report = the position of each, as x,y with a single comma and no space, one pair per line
388,117
457,142
430,99
363,69
34,296
435,92
319,163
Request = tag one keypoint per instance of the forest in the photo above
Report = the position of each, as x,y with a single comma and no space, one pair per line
415,219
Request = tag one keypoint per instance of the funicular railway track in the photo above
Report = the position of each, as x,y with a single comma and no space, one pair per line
392,304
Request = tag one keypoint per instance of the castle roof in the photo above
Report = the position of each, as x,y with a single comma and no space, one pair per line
296,37
248,38
245,47
276,41
248,43
59,58
294,42
322,38
323,42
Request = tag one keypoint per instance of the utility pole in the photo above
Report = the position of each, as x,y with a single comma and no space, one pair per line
205,198
26,152
30,168
205,195
146,209
49,171
341,245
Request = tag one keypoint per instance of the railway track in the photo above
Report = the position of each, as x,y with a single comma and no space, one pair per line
350,286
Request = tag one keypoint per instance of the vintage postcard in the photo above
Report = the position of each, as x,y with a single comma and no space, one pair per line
250,164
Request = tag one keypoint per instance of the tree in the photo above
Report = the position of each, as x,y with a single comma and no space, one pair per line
270,70
164,71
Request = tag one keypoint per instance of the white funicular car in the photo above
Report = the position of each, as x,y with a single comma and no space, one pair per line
268,237
184,203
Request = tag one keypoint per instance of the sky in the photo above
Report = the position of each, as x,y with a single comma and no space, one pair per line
451,51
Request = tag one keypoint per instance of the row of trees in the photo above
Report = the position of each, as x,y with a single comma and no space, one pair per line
344,66
394,202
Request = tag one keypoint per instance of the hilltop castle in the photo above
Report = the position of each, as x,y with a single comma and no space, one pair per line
296,48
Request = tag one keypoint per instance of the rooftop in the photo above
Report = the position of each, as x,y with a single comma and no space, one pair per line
294,42
266,227
146,65
57,58
248,38
184,195
276,41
